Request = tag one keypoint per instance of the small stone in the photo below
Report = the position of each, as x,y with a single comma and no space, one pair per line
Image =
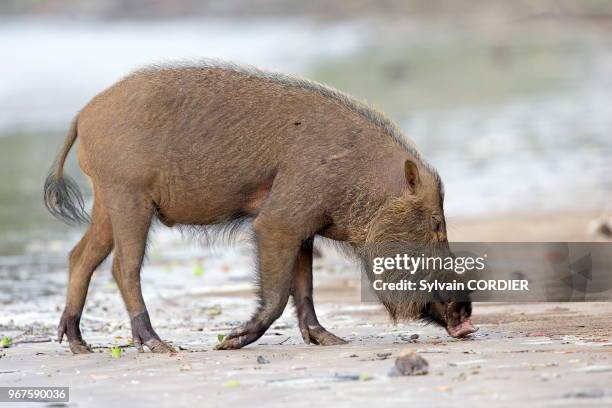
262,360
461,377
383,356
409,363
410,339
600,228
595,393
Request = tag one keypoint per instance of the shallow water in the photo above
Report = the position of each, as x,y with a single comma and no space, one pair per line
25,161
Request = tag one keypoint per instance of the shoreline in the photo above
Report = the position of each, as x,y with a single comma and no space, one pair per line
562,226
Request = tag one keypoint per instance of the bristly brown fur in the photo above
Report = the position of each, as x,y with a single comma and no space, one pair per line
362,108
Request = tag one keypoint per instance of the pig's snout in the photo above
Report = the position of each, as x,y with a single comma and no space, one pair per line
462,329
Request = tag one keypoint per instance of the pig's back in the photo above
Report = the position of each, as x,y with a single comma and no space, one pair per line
217,104
209,126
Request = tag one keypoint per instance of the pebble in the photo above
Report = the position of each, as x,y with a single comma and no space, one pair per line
383,356
409,363
594,393
410,339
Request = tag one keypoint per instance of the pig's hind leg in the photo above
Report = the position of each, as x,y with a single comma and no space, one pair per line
91,250
310,328
131,218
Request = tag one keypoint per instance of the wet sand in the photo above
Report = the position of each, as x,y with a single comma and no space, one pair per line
536,354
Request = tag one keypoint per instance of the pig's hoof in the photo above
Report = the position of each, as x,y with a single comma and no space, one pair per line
318,335
80,347
233,341
158,346
240,337
230,344
69,327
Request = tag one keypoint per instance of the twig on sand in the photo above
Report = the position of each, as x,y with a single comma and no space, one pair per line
35,340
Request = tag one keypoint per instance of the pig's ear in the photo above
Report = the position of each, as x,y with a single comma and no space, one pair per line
412,175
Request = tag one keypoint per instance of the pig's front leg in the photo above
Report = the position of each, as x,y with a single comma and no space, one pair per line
310,328
276,252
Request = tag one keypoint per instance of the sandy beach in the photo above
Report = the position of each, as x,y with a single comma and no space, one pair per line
540,354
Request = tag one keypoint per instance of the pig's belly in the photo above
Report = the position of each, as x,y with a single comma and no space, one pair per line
213,204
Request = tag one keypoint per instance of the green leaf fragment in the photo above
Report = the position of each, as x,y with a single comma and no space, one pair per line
115,352
220,337
213,311
231,384
198,270
6,342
